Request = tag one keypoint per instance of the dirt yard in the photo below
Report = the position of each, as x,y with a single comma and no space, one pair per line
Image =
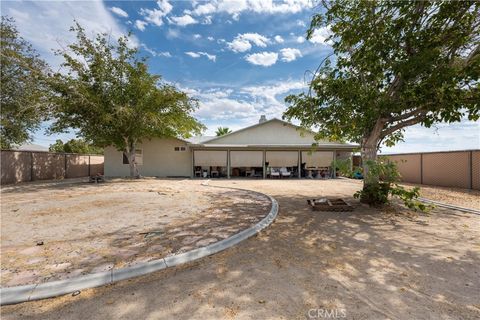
365,264
88,228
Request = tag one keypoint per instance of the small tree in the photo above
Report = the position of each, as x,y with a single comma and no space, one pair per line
75,146
107,93
397,63
221,131
23,89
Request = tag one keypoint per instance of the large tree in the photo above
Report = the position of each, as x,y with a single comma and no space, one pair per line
394,64
107,93
75,146
23,94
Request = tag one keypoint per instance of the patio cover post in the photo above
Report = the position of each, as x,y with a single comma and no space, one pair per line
334,164
192,167
228,163
299,164
264,168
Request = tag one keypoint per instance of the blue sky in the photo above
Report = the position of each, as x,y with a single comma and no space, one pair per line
239,58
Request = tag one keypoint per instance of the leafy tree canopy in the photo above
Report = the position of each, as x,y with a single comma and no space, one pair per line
107,93
395,64
75,146
23,94
222,131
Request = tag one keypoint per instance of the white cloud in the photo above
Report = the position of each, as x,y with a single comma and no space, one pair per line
173,33
210,38
239,45
279,39
268,94
243,42
204,9
242,106
140,25
235,8
46,24
321,35
165,54
192,54
290,54
119,12
207,20
197,36
443,136
183,20
264,59
154,53
301,23
198,54
155,16
300,39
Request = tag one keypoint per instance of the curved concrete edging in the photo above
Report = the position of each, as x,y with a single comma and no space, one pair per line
449,206
17,294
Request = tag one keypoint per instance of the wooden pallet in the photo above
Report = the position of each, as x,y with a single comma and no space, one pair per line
325,204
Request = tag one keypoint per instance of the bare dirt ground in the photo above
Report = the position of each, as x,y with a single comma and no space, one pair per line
94,227
455,196
466,198
365,264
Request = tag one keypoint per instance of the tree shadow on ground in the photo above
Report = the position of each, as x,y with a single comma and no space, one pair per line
372,264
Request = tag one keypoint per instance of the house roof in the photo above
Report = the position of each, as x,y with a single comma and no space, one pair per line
199,139
279,139
251,127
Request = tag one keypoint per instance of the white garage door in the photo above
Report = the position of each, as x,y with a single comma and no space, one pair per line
282,158
317,158
246,158
204,158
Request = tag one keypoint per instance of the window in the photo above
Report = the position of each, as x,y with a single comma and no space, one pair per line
138,157
180,149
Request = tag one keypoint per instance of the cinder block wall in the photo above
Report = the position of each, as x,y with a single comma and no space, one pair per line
23,166
460,169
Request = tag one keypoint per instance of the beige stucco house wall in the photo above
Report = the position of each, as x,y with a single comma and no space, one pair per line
159,159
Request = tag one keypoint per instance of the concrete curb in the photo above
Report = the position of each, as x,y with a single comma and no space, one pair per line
449,206
18,294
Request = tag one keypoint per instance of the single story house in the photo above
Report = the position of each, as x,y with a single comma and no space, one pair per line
269,149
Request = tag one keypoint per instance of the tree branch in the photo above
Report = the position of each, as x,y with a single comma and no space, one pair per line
406,115
401,125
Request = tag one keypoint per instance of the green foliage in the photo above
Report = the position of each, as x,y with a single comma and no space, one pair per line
222,131
396,64
343,167
75,146
107,93
381,182
23,92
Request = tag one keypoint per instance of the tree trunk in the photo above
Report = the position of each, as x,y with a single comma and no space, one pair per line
369,151
130,153
369,145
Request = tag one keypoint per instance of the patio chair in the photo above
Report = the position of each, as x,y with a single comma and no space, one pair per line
284,172
275,173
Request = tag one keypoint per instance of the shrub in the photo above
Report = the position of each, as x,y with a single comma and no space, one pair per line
377,191
343,167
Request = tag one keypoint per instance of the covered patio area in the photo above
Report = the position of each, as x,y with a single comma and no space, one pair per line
265,163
